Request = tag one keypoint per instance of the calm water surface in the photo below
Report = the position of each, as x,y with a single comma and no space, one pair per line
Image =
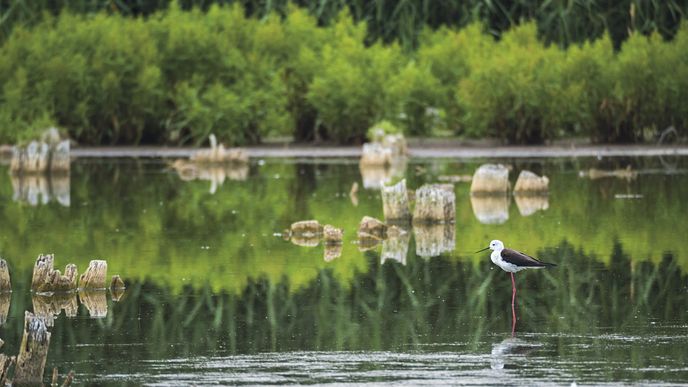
216,295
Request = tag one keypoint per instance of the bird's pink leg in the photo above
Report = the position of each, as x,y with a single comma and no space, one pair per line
513,308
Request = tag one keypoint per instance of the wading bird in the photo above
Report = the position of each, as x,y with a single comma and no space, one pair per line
512,261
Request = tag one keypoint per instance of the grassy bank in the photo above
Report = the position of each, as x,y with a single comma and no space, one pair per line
177,76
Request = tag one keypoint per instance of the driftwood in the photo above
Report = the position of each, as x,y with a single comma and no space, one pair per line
530,183
332,235
395,247
395,203
47,279
306,228
434,239
95,301
370,226
491,209
33,351
435,203
530,204
5,283
490,178
94,276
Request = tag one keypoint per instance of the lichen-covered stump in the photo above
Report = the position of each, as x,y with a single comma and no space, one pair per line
530,183
5,283
395,203
435,203
395,247
306,228
47,279
434,239
95,302
370,226
490,178
94,276
332,235
33,351
491,209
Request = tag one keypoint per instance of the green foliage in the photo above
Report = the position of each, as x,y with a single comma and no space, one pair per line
380,129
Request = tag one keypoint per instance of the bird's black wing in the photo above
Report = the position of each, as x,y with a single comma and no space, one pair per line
523,260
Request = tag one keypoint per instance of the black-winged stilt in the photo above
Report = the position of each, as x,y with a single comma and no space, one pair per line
512,261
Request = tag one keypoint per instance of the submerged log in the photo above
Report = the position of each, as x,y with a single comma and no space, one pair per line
530,183
490,178
94,276
395,247
435,203
434,239
33,351
5,283
491,209
395,203
95,302
306,228
372,227
332,235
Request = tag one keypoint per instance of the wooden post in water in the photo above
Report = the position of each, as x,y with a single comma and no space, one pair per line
395,203
94,276
435,203
33,351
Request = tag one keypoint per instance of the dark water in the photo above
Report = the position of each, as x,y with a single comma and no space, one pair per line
216,296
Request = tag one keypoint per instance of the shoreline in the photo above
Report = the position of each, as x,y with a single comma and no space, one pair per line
415,151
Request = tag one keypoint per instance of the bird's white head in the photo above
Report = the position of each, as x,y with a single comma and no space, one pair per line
496,245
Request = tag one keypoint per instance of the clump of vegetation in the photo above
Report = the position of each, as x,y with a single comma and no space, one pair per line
179,75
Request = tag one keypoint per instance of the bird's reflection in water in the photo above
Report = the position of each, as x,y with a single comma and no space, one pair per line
510,349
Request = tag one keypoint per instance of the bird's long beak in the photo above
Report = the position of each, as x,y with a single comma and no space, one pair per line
482,250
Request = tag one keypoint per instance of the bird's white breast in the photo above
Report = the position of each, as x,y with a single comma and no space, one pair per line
496,258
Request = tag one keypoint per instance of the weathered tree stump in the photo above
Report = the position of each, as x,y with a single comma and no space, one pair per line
32,352
60,159
5,363
396,143
395,247
530,204
434,239
375,154
95,301
435,203
372,227
116,287
332,235
94,276
5,300
332,251
306,228
395,203
67,380
530,183
47,279
490,178
491,209
5,283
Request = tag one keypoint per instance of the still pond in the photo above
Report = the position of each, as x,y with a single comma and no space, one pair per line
217,295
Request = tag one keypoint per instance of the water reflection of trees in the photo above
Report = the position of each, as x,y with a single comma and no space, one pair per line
394,306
